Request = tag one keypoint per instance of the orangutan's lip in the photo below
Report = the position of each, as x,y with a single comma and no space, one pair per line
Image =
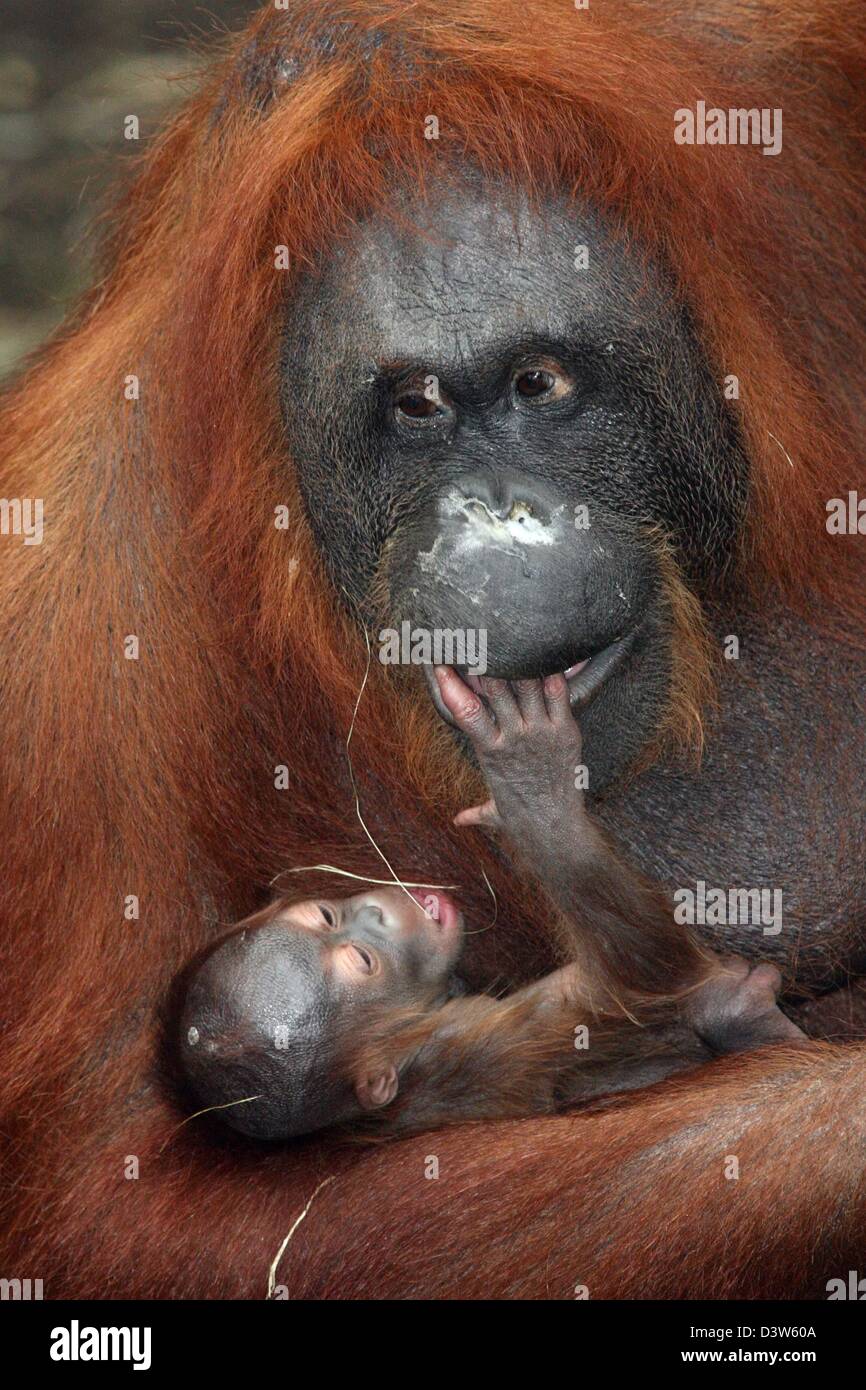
585,678
438,906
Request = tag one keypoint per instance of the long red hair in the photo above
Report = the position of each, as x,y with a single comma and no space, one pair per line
153,778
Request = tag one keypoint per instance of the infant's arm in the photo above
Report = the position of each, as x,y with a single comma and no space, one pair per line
626,946
621,926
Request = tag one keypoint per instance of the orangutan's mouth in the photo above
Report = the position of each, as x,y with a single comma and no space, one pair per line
585,677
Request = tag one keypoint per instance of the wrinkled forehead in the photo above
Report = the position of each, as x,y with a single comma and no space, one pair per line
478,265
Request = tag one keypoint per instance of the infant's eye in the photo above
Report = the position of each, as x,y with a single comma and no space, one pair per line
363,959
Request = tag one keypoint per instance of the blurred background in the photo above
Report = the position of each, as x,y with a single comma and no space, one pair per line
70,72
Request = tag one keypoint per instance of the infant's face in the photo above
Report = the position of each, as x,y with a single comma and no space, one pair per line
381,941
312,965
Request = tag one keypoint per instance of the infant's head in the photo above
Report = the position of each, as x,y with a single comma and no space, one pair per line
275,1016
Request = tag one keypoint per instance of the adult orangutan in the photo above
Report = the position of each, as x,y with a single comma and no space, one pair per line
425,285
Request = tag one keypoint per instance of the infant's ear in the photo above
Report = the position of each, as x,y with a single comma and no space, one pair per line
375,1089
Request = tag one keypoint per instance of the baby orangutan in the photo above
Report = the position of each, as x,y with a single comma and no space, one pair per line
349,1013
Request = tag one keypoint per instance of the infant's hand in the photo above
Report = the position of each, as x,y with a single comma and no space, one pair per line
528,747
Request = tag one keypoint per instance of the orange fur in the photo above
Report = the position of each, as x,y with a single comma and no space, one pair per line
155,777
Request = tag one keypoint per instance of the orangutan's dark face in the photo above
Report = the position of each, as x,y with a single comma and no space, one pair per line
491,434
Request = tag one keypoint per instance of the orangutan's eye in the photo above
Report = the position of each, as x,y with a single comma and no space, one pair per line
541,383
363,959
416,406
534,383
420,400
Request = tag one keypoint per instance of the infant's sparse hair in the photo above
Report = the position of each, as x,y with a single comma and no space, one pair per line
294,1063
